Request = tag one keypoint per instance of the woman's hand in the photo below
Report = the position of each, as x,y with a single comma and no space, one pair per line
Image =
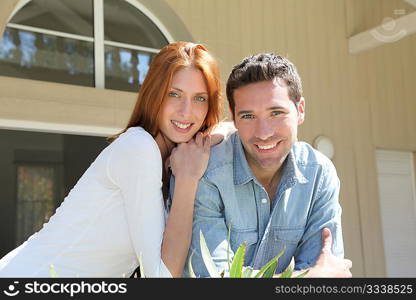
190,160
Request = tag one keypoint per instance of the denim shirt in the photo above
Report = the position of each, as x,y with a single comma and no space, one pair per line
230,197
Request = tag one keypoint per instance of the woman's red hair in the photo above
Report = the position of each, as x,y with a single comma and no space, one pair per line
158,81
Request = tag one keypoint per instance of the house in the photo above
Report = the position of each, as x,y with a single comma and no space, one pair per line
70,71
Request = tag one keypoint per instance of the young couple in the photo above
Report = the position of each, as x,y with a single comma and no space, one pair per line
272,191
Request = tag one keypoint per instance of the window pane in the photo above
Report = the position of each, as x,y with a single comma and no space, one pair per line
71,16
35,199
40,56
125,69
126,24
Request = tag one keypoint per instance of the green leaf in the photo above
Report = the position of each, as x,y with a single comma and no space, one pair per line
289,270
190,269
247,271
142,274
302,275
52,271
269,272
287,273
228,247
269,264
206,257
238,262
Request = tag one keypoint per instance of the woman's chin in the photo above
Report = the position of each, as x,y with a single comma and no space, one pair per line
181,139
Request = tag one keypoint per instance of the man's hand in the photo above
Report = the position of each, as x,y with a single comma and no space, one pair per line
328,265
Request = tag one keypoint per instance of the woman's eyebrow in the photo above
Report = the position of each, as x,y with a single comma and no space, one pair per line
198,93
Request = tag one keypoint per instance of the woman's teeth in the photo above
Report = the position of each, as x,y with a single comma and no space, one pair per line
180,125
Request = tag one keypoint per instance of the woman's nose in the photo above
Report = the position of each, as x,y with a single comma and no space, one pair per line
186,107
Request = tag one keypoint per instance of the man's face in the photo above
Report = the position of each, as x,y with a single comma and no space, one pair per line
267,122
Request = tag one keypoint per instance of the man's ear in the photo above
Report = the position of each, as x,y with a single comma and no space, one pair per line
301,110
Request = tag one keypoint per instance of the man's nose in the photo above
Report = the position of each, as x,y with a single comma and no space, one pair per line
264,130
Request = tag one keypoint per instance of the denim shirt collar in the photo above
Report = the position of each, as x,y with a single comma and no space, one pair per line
243,174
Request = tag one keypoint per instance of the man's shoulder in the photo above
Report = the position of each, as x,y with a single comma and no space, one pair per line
305,155
222,155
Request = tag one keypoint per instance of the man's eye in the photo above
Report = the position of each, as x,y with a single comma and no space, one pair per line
173,94
277,113
200,98
247,116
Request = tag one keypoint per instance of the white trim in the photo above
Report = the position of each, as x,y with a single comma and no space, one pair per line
38,126
99,44
411,2
18,7
390,32
50,32
130,46
154,19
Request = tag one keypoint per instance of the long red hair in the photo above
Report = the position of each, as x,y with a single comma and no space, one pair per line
158,81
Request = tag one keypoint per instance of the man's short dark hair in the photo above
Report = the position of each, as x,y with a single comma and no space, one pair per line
264,67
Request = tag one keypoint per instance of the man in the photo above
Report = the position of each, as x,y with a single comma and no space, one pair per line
271,191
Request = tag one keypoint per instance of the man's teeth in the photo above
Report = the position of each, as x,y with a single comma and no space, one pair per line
180,125
267,147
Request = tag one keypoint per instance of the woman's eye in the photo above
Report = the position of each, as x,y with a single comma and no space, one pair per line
173,94
200,98
247,116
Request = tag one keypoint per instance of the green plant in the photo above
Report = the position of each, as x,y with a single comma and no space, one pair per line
236,266
52,271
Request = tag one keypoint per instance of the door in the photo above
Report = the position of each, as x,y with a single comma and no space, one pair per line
396,184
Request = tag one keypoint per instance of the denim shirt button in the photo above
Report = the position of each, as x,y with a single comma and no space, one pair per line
264,200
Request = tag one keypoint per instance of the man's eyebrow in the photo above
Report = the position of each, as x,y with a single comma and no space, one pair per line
199,93
276,107
241,112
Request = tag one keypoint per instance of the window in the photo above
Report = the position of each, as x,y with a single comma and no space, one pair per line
63,41
36,187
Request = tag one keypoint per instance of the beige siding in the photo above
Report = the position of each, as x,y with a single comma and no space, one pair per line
362,102
61,104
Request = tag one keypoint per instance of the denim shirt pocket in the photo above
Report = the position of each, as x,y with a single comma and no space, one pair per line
286,239
288,235
250,238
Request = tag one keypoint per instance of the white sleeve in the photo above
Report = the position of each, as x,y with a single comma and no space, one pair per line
135,166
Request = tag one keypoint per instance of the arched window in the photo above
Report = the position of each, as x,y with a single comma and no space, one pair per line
96,43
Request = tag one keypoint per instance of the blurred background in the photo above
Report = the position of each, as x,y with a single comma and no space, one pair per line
70,71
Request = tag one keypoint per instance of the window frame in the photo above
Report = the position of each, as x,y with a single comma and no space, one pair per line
98,38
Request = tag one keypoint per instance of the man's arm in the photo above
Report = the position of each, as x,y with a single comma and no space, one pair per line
327,265
325,212
208,219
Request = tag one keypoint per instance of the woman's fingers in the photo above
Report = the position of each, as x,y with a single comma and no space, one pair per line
207,142
216,138
199,139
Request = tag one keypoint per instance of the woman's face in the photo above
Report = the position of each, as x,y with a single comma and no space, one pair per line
185,106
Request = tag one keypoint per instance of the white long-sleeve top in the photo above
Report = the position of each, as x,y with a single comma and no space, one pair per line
113,214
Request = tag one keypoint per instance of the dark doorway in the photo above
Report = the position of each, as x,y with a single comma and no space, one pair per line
37,171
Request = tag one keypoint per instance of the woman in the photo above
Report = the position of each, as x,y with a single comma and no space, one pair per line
116,213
